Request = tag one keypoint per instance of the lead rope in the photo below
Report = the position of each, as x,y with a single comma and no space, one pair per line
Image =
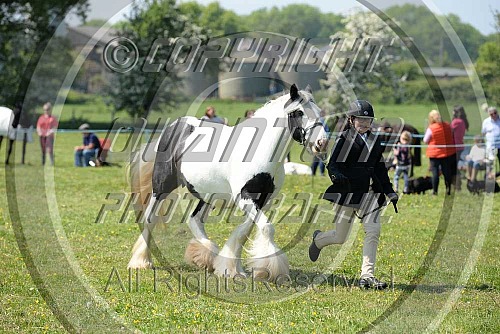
376,209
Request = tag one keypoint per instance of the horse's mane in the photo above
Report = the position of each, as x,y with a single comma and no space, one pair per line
269,104
263,111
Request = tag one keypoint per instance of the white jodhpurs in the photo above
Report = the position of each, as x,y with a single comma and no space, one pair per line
344,218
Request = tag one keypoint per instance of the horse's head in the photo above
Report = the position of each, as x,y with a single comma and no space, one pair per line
305,121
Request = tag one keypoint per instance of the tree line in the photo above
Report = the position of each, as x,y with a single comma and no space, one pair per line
26,27
302,20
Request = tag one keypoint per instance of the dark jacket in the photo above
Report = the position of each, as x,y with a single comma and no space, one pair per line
363,165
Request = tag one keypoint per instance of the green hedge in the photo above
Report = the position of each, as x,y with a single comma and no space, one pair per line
419,91
457,89
76,97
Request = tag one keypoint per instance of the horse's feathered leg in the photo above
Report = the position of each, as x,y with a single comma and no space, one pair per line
201,251
228,262
266,260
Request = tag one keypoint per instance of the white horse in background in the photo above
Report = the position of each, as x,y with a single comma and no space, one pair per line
7,118
293,168
246,161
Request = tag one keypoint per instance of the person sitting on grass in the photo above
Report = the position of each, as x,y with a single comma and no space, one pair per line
210,116
249,113
476,158
89,149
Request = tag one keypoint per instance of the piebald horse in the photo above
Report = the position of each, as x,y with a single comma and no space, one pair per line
245,161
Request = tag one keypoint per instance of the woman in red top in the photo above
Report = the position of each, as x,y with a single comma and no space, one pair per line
440,149
46,127
459,125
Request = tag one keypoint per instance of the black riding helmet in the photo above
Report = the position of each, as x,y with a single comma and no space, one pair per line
360,108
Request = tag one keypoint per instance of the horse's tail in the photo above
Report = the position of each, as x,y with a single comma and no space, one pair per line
140,175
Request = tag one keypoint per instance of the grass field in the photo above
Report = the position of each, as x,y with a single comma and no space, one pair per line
48,229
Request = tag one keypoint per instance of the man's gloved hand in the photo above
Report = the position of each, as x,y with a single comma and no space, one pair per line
393,197
339,179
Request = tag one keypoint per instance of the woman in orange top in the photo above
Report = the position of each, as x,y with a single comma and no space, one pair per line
46,127
440,150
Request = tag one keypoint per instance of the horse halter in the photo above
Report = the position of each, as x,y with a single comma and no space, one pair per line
299,133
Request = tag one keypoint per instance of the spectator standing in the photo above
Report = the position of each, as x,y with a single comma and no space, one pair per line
402,157
459,125
440,150
46,127
491,131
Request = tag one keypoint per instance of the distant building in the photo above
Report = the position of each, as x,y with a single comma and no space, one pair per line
90,41
241,77
260,75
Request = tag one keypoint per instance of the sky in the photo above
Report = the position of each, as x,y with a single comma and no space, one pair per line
478,12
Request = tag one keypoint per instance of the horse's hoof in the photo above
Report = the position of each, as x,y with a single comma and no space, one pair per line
140,264
270,268
228,267
267,261
231,273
